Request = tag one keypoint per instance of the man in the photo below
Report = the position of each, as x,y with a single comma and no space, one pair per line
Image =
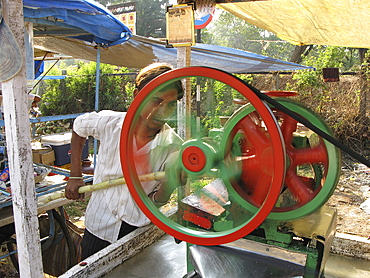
112,213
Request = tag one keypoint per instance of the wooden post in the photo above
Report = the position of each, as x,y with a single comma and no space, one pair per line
184,110
18,138
183,60
276,81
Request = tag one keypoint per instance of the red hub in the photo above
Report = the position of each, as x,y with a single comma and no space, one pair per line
194,159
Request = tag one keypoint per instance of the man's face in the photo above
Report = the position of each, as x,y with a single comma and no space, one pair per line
159,108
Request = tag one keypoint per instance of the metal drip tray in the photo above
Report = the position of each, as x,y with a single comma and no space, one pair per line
231,262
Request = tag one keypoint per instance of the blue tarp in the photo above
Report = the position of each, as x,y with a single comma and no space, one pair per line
136,52
88,15
139,52
39,68
51,77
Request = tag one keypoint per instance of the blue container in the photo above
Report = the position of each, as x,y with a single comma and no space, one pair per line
61,144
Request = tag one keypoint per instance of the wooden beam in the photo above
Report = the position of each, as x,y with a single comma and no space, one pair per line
235,1
18,137
104,261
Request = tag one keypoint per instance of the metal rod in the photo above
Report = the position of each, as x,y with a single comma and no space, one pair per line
97,84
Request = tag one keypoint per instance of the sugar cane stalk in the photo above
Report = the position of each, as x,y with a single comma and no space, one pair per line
106,184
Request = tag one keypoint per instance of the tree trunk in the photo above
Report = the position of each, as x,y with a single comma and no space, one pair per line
299,51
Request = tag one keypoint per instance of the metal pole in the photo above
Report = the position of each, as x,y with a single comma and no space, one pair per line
97,80
97,84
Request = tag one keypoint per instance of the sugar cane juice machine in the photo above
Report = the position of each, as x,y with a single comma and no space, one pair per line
253,204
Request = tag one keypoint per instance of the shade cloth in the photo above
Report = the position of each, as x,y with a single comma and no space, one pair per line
139,51
323,22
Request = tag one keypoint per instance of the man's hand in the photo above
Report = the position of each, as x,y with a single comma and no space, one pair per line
71,190
174,178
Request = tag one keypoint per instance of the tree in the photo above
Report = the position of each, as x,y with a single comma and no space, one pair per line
150,16
231,31
76,93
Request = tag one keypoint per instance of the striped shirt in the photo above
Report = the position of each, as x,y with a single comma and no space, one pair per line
107,208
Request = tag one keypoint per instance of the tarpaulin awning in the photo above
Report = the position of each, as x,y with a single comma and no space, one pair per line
323,22
83,19
139,51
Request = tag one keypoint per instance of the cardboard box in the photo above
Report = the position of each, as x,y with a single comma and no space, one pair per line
38,179
44,156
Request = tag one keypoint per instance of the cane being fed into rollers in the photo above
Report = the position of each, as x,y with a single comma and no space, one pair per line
158,176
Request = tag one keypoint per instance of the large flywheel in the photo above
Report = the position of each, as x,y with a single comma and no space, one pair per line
206,168
313,164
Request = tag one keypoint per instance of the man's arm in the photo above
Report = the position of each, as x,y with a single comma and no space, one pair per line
71,191
174,177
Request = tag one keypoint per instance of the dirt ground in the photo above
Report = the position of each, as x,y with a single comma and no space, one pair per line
352,191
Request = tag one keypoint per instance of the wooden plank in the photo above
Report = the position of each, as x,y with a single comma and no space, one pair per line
104,261
351,246
15,102
6,214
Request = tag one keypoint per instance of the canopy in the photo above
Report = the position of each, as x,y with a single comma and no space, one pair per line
81,24
83,19
139,51
324,22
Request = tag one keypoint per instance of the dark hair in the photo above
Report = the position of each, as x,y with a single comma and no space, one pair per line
152,71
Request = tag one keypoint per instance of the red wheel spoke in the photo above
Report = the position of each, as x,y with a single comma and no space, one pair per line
249,164
251,170
288,127
313,155
298,187
254,133
261,189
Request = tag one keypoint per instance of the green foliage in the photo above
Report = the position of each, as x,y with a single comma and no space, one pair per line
231,31
76,93
309,83
150,16
340,104
217,100
365,67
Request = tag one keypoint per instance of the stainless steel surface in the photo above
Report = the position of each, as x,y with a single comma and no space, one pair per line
166,259
230,262
269,250
163,259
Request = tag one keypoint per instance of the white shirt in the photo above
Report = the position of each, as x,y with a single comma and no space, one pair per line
108,207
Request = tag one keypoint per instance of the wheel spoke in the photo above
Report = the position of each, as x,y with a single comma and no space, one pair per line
309,185
254,133
297,187
261,188
288,127
315,155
